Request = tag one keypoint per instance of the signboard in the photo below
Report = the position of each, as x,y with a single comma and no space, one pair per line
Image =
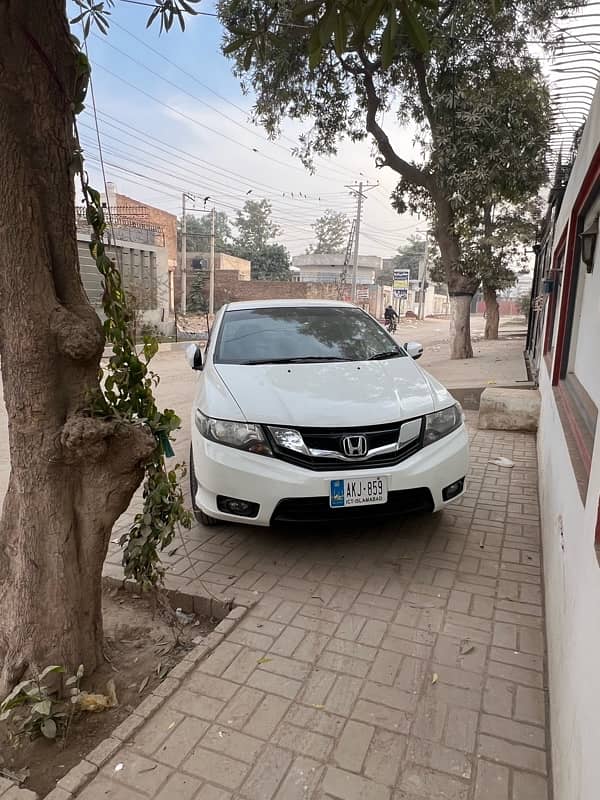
362,294
400,285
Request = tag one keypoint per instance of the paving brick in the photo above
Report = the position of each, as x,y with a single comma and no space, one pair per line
382,716
102,788
301,780
148,738
385,667
505,635
286,611
232,743
516,674
458,677
289,640
275,684
438,757
137,772
317,687
347,786
303,741
181,741
518,659
447,651
429,719
75,779
531,641
411,675
315,719
530,705
343,695
180,786
191,703
405,647
352,649
515,731
492,781
216,768
311,646
243,665
459,601
422,782
390,696
461,729
220,659
350,627
345,664
529,787
267,715
317,625
516,755
384,757
267,774
498,697
353,745
241,706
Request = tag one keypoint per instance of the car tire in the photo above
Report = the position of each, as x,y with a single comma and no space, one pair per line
201,517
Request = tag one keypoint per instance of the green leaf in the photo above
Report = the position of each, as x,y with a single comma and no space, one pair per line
248,56
234,45
43,708
371,15
340,34
387,46
50,671
304,9
48,729
416,32
326,26
153,15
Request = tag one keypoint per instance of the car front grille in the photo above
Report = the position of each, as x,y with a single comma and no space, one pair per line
317,509
329,441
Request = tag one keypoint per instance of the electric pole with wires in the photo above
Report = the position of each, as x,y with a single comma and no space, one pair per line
359,193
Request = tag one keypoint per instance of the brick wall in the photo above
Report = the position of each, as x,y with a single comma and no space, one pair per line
168,222
229,289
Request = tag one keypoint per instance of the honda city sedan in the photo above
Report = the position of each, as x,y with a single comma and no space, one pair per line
309,411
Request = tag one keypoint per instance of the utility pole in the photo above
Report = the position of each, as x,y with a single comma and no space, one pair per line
423,277
185,196
360,196
211,266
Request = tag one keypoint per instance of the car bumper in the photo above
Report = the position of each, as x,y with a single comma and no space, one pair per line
285,492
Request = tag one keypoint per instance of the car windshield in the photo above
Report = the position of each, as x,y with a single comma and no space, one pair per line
302,334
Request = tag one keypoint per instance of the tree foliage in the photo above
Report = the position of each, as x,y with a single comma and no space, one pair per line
256,231
199,231
461,74
409,256
331,230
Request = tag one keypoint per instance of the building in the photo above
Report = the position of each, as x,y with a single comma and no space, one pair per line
328,267
563,346
200,260
143,243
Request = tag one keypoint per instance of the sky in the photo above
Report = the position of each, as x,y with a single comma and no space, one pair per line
172,118
170,110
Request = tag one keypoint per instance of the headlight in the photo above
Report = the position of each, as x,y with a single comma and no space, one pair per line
241,435
289,439
441,423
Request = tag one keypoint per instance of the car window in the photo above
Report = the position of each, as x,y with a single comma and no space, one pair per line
311,333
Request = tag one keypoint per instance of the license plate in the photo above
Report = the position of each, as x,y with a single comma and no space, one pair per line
357,492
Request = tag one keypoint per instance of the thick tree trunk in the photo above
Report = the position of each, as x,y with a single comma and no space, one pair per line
492,313
71,476
460,287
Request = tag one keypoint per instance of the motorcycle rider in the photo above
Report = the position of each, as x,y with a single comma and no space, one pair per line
391,317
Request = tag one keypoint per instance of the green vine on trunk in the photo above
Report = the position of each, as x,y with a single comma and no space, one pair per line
125,393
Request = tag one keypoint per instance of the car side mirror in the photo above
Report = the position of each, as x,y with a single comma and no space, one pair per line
414,349
193,356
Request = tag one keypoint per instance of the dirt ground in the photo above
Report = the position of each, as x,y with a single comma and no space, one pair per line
142,644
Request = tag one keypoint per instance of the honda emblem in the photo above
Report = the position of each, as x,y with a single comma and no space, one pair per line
355,446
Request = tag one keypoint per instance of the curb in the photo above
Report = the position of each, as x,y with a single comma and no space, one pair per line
82,773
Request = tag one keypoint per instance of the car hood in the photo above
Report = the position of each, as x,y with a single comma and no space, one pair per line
336,394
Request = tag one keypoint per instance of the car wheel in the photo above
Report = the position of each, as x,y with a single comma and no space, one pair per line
201,517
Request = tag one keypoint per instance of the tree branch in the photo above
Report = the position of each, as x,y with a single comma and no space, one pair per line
78,336
390,157
421,73
93,439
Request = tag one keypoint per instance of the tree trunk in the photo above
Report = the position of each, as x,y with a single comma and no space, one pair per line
461,288
71,476
492,313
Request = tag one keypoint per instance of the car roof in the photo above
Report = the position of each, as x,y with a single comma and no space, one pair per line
299,303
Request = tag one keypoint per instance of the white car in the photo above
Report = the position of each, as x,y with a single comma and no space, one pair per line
310,411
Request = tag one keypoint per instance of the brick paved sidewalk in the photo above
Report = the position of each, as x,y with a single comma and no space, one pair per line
402,661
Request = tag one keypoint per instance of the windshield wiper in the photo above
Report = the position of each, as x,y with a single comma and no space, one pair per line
298,360
385,354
